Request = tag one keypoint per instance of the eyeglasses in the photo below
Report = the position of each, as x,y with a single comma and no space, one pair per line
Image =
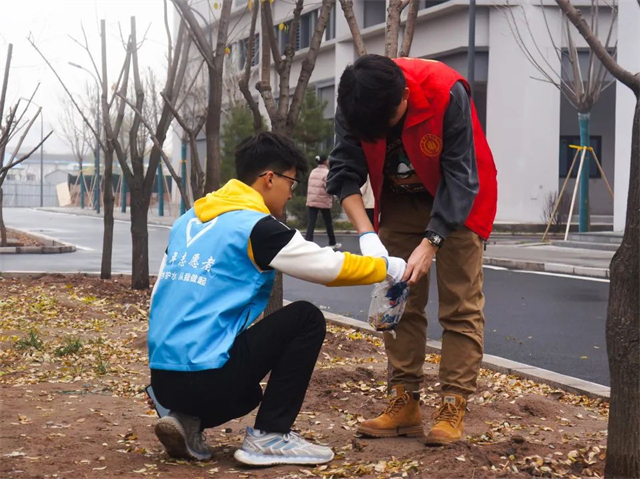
293,185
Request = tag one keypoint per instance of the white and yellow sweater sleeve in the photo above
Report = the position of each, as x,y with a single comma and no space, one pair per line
307,261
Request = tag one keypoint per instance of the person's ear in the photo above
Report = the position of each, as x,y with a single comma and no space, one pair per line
405,93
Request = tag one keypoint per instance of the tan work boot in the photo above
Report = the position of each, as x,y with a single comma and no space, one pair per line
401,418
449,421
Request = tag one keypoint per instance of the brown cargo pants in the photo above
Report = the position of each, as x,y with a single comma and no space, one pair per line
404,218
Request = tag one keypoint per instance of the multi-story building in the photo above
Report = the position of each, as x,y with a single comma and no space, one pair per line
528,122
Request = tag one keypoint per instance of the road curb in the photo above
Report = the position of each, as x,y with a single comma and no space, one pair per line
548,267
495,363
50,245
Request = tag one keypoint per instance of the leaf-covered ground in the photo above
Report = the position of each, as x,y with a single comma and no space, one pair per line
20,238
73,365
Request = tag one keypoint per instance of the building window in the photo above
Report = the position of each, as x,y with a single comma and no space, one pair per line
374,12
31,177
430,3
330,32
567,154
305,31
326,95
243,46
11,177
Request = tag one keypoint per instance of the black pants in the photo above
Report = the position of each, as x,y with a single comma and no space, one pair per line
285,343
328,223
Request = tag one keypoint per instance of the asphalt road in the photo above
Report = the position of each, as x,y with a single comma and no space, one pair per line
85,232
550,321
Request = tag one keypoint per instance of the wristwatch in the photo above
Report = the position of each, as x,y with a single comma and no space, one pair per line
434,238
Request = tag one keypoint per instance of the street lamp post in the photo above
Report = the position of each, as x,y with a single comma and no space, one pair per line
96,175
471,52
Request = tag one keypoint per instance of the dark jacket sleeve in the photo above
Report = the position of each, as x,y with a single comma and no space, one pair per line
347,163
459,185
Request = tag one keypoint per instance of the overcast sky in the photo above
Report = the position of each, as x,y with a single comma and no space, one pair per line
52,23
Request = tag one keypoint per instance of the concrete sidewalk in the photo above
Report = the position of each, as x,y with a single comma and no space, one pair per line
507,251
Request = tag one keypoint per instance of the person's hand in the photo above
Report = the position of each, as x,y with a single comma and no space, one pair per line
419,262
370,245
395,269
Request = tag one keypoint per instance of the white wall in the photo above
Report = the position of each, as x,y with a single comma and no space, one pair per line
629,58
522,121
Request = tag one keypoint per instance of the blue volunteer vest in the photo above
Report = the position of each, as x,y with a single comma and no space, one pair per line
208,291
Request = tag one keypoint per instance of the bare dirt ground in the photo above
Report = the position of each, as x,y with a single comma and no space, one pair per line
73,364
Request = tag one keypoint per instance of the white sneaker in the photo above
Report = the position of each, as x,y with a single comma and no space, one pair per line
336,246
181,437
267,449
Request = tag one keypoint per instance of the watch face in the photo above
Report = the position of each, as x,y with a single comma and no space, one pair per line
435,239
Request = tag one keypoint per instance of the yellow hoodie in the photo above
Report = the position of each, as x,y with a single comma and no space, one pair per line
233,196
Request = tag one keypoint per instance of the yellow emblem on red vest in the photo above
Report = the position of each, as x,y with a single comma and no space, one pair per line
431,145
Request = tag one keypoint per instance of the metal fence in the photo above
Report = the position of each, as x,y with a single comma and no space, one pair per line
27,194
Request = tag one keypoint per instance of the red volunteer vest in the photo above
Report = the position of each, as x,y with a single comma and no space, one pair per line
430,84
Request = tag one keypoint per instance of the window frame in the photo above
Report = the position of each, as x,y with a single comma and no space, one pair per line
566,157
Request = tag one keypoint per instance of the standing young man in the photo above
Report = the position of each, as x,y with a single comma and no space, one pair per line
410,124
215,280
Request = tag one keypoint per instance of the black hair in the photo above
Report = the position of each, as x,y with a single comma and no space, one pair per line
320,159
267,151
369,93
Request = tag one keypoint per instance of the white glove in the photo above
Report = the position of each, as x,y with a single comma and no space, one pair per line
370,245
395,269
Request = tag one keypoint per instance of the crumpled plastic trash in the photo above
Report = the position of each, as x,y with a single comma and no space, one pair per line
387,305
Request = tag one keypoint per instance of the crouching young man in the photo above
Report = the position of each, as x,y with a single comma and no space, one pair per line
215,280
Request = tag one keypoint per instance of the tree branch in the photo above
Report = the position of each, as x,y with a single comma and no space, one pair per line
264,85
409,28
624,76
24,157
5,83
273,42
309,63
111,136
285,71
17,149
168,30
84,118
349,15
243,83
158,145
196,32
392,29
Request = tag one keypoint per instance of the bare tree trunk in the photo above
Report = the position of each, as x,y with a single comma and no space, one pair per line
212,127
623,337
623,321
107,234
3,227
139,237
